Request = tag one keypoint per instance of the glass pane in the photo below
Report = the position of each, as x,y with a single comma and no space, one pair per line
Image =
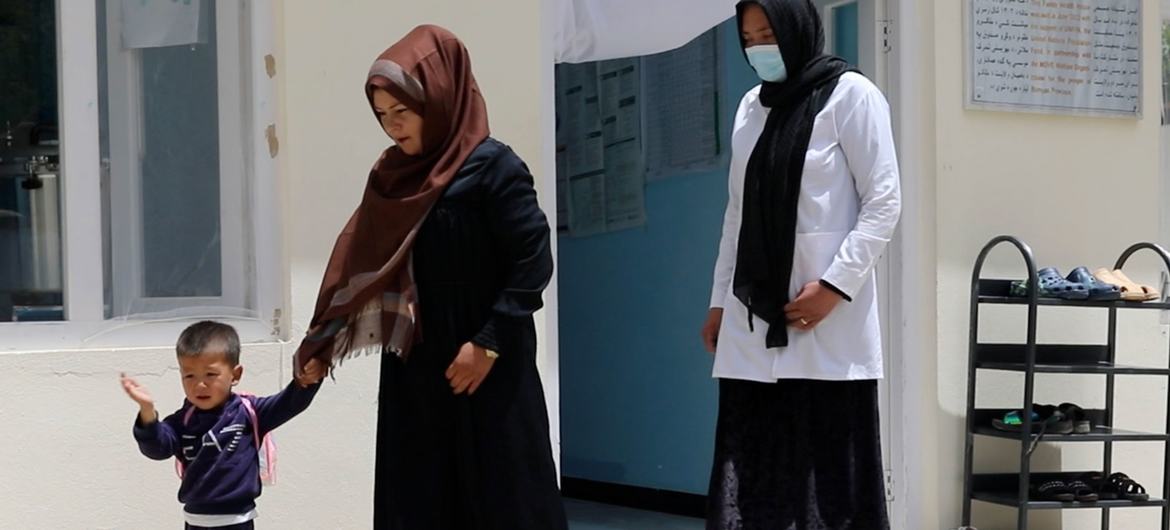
180,171
159,67
845,28
30,219
1166,70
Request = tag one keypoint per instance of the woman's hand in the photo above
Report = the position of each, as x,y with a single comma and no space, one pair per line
312,373
470,368
710,332
811,306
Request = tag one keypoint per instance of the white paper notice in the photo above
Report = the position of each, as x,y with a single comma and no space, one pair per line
681,100
562,189
587,206
621,116
586,155
1057,55
625,186
582,114
157,23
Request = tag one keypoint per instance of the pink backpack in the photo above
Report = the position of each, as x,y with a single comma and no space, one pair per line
265,449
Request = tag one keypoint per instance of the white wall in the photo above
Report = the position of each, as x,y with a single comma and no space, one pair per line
1079,190
68,459
330,139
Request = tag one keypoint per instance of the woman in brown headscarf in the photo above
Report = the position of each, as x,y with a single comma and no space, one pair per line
441,268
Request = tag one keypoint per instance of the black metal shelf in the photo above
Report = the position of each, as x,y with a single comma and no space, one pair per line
1119,304
1057,359
982,422
1099,434
1031,358
996,291
1009,498
1000,488
1102,369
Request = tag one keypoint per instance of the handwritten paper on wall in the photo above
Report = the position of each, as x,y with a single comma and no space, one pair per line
1056,55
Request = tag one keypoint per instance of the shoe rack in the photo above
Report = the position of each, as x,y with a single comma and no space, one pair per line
1031,360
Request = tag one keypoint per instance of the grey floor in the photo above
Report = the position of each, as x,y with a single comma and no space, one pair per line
585,515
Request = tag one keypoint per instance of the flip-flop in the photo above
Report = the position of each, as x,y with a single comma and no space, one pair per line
1013,421
1098,290
1129,291
1046,419
1148,293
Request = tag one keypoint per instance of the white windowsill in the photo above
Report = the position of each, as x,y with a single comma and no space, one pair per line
32,337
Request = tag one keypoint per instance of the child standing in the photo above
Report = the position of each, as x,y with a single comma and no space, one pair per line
211,434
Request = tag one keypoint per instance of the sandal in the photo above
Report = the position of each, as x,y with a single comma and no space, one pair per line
1098,290
1052,285
1045,419
1096,481
1082,492
1054,490
1127,488
1130,291
1012,421
1080,420
1147,293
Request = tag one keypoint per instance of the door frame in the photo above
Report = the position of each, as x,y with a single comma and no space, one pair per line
908,373
126,153
911,278
877,61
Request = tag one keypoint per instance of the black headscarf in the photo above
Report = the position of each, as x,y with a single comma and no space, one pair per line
771,189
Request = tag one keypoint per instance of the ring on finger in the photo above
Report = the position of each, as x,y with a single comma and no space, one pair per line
803,321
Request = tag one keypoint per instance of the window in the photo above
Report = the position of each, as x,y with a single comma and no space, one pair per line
156,200
843,24
171,125
1166,69
30,227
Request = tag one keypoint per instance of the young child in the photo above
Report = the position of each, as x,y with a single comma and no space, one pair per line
211,434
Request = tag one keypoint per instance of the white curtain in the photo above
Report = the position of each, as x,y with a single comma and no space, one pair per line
595,30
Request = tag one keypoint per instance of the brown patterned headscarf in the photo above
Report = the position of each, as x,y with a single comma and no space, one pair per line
367,301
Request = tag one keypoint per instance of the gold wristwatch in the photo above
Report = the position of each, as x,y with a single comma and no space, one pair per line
491,354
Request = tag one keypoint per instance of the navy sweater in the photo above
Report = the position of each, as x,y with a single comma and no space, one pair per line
222,474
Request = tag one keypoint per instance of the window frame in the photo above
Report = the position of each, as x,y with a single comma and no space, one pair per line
247,25
126,148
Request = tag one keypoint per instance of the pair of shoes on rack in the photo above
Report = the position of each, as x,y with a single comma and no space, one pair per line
1066,418
1080,284
1130,290
1091,487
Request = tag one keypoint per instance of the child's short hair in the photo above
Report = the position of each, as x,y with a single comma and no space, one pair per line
209,337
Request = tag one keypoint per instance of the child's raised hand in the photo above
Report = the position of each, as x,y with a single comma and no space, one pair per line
137,392
312,373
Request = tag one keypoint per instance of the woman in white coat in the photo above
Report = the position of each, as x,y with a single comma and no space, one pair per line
814,199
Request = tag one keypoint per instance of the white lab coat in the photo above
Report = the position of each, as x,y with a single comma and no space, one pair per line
849,205
595,30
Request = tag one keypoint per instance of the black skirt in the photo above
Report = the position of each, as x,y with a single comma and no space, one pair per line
797,455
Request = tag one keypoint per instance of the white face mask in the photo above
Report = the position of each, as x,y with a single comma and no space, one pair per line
768,62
